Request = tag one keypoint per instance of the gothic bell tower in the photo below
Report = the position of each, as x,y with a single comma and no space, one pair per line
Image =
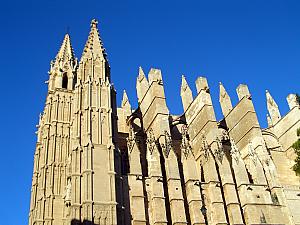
74,162
93,153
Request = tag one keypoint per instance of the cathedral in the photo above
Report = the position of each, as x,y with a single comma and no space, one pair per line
97,164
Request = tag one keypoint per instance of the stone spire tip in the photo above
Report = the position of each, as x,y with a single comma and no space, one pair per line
94,23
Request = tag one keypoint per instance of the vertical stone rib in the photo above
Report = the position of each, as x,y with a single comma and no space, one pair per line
155,190
191,181
135,182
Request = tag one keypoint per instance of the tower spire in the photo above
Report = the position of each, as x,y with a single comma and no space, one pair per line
65,53
63,66
94,46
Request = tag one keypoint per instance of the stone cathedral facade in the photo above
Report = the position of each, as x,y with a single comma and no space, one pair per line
98,164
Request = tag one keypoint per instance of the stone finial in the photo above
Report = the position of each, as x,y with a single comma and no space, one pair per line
243,91
224,100
185,93
293,101
154,75
201,84
125,102
94,46
272,108
94,23
142,84
141,74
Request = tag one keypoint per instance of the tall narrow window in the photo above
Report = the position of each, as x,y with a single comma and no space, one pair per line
65,81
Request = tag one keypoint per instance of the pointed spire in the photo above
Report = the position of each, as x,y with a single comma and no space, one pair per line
141,74
142,85
63,66
94,46
243,91
272,108
224,100
186,93
125,101
65,54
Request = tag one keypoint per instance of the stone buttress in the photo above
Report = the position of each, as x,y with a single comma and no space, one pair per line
96,164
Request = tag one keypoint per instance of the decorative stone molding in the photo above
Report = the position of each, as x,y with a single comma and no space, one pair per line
167,146
205,147
185,143
251,152
151,144
219,153
131,140
234,151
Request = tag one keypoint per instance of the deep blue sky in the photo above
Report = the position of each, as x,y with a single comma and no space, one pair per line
252,42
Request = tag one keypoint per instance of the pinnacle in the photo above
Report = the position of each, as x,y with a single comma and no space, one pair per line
125,100
184,84
94,45
94,23
183,81
65,52
223,91
268,94
270,98
141,74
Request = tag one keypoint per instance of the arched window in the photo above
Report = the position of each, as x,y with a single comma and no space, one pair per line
65,81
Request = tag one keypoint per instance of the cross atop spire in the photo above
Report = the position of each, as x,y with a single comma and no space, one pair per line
94,46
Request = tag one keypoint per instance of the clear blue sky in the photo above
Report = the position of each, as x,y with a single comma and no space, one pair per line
252,42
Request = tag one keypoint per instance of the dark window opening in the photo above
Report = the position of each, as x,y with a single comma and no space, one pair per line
65,81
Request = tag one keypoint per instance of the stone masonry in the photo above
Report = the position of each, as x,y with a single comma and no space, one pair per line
98,164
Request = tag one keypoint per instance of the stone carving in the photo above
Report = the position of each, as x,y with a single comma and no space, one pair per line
234,151
185,143
205,147
219,153
68,193
167,146
224,135
151,143
131,139
252,153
